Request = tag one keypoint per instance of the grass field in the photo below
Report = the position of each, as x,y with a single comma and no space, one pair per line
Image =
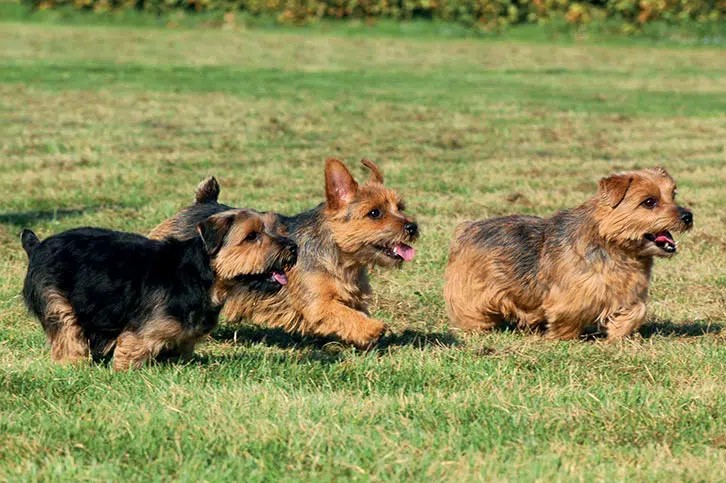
115,126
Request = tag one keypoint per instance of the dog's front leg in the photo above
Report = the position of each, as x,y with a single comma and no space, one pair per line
135,348
624,323
352,326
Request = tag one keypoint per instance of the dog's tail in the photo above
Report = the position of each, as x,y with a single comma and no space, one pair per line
207,191
29,240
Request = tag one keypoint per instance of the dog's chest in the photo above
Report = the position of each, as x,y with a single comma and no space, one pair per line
613,281
353,287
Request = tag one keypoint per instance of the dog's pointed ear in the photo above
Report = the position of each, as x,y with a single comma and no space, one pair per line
613,189
340,187
214,229
376,175
207,191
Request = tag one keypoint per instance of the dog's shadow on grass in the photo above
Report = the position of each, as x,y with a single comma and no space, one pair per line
25,219
418,340
663,328
668,328
247,334
250,334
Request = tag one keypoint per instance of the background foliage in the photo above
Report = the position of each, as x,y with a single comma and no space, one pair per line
486,14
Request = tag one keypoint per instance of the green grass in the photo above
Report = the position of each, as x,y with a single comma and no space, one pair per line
115,126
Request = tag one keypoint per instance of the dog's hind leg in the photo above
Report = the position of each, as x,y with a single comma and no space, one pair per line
67,340
564,322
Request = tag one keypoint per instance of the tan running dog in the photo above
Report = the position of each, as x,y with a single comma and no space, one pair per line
356,227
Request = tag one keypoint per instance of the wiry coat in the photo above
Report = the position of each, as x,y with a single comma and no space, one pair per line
587,265
88,286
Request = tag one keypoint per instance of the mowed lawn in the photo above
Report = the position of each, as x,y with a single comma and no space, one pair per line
114,127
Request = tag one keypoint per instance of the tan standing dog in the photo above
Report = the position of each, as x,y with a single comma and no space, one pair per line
587,265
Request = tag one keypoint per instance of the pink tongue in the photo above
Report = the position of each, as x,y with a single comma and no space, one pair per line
663,238
280,277
404,251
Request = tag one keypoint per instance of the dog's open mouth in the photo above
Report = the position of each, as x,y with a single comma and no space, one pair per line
663,240
264,282
279,277
398,251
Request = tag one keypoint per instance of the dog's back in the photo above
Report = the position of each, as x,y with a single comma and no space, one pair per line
183,225
519,239
492,261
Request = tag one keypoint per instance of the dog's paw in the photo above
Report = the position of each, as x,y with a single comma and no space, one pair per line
370,334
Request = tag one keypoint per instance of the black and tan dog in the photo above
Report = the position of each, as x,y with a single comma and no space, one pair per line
97,290
587,265
356,227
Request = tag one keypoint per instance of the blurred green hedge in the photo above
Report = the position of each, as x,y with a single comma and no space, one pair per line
488,14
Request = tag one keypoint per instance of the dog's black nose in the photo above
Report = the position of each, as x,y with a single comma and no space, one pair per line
686,216
411,228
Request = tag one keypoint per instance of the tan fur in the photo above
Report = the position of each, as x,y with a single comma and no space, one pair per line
236,256
594,265
134,349
68,345
163,230
332,299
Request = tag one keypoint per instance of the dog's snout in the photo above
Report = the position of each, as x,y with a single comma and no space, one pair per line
411,228
686,216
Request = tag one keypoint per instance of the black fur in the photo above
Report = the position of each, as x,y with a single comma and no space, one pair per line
29,240
116,281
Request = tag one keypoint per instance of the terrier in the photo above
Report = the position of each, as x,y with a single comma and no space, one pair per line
357,226
96,290
586,265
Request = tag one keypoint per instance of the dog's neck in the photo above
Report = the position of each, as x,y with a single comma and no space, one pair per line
597,248
318,250
194,258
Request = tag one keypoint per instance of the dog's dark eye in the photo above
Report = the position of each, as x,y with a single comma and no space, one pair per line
401,206
675,192
252,236
650,203
375,213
